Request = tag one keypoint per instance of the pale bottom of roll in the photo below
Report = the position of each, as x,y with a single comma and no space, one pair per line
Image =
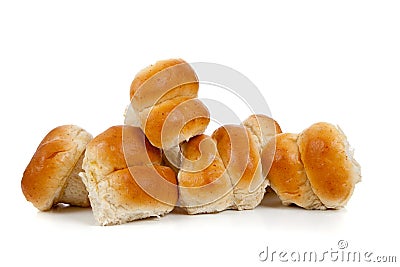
245,200
117,199
221,204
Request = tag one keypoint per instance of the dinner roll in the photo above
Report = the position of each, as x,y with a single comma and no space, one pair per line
51,176
164,106
241,158
329,163
170,123
164,80
315,169
204,184
125,179
287,175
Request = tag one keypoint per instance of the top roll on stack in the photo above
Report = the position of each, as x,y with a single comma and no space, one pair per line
165,94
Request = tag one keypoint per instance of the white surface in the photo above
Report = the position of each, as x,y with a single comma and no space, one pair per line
73,62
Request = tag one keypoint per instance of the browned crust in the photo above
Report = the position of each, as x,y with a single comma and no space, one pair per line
55,158
119,147
239,154
177,119
209,167
204,184
287,175
328,164
144,187
164,80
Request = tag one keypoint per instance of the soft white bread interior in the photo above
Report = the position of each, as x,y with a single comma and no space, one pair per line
51,176
239,153
329,163
287,175
164,105
204,184
124,177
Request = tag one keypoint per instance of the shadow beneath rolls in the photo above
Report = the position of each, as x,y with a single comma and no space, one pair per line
277,216
66,213
271,200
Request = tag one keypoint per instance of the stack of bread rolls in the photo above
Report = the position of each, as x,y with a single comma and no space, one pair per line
161,159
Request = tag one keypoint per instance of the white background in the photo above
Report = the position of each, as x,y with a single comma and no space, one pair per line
73,62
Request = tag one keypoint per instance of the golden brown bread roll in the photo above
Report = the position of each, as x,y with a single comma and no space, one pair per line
241,158
124,177
329,163
162,100
287,175
166,79
314,170
174,121
204,184
51,176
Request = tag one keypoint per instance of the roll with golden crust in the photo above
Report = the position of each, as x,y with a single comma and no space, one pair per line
204,184
125,179
164,106
51,176
174,121
287,175
164,80
315,169
329,163
241,158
